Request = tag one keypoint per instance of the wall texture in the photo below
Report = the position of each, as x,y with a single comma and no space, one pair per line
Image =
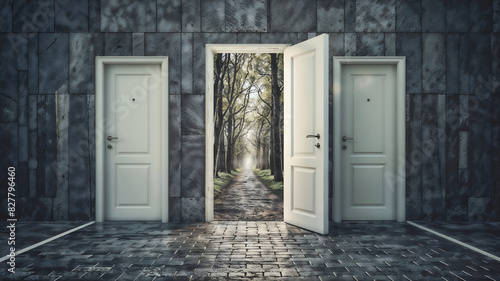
453,90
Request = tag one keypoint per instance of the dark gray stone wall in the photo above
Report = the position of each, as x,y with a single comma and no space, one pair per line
453,90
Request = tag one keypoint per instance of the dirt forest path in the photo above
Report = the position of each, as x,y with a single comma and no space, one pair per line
248,199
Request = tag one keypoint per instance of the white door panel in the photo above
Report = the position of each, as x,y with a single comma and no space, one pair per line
368,123
306,115
133,160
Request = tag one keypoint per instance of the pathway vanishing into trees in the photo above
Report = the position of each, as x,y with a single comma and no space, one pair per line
248,199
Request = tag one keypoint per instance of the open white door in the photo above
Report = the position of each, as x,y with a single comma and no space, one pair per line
306,134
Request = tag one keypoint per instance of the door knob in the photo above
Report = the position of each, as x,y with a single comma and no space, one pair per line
312,136
344,139
317,145
111,138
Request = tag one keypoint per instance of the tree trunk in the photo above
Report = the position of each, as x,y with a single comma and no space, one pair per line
275,119
229,151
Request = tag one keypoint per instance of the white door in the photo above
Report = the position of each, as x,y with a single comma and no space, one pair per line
369,142
133,142
306,134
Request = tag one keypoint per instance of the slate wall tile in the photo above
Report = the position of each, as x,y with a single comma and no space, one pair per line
79,167
457,11
408,16
23,98
452,59
414,148
50,147
463,149
9,138
495,208
32,151
138,44
495,58
496,183
187,63
279,38
6,16
456,209
336,45
193,115
53,61
413,209
495,143
464,112
167,44
84,47
169,15
20,47
174,209
410,45
481,16
496,16
32,183
94,16
246,16
193,209
128,16
72,16
60,203
330,16
370,44
433,16
292,16
431,178
480,209
175,148
350,40
8,109
375,16
33,16
41,145
390,44
200,40
452,145
464,64
23,144
191,16
433,63
118,44
350,16
35,209
479,160
24,179
433,210
8,71
213,16
249,38
193,166
33,63
480,65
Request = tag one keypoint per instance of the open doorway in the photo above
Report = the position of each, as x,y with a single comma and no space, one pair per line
248,136
305,157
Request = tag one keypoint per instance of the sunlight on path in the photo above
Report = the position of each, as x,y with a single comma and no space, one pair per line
248,199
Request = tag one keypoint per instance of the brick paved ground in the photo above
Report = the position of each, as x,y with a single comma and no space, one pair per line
248,199
251,250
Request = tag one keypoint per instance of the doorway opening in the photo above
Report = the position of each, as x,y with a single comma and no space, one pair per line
248,136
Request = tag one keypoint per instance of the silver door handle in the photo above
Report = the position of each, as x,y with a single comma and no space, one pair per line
312,136
344,139
111,138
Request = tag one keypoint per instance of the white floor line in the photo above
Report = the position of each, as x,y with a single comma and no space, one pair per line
24,250
455,241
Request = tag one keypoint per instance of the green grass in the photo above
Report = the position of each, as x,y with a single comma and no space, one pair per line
268,180
224,180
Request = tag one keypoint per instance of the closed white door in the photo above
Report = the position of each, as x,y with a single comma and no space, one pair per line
369,142
133,142
306,134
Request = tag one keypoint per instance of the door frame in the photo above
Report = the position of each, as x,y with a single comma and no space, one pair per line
101,123
400,177
210,51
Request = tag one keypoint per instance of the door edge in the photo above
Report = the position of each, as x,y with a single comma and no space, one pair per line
400,62
100,64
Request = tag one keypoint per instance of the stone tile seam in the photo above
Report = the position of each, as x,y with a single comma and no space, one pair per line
24,250
455,241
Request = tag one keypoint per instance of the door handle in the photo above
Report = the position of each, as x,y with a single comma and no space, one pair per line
344,139
111,138
312,136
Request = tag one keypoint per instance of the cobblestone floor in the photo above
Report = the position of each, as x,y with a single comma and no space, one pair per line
251,250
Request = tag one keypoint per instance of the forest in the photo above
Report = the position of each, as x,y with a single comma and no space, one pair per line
248,113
